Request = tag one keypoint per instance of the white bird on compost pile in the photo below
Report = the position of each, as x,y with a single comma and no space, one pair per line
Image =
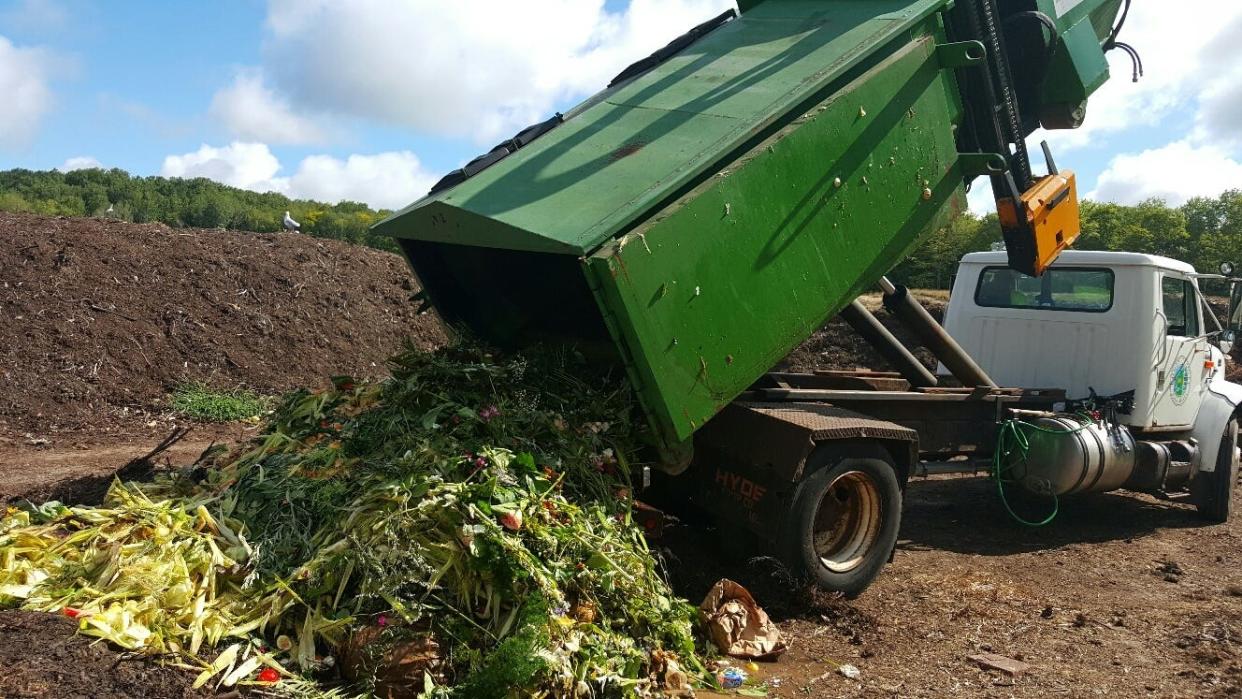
290,224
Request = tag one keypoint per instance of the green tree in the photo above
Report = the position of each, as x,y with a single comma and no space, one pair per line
1205,231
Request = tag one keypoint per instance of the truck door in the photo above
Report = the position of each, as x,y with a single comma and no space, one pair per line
1180,379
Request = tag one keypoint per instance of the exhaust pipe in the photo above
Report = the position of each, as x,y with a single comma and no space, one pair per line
869,327
909,311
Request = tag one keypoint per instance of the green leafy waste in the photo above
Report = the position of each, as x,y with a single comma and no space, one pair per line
471,512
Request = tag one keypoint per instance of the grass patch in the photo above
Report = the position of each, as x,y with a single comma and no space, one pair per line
197,401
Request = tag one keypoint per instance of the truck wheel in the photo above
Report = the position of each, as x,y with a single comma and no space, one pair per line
1215,491
844,516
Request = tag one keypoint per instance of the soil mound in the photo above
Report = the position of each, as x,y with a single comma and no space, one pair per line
837,346
101,319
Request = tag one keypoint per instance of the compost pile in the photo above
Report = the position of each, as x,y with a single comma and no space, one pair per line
462,527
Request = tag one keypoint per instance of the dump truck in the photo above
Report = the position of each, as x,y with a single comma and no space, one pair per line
724,197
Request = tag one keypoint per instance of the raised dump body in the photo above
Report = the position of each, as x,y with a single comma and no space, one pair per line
717,203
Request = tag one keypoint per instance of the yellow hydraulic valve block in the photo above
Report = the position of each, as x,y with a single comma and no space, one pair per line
1048,212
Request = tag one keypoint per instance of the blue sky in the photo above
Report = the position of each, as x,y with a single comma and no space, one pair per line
135,77
374,99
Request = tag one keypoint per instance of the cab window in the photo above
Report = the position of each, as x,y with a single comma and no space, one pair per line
1181,306
1059,289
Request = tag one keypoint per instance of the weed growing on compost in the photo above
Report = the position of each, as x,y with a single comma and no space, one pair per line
462,527
197,401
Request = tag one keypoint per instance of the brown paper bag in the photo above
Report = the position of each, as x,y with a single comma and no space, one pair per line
738,626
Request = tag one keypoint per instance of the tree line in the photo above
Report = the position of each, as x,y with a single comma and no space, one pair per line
198,202
1204,231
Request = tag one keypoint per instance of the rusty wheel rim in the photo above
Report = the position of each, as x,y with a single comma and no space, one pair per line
847,522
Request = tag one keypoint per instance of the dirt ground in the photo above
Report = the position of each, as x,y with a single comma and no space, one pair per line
1122,595
79,473
68,666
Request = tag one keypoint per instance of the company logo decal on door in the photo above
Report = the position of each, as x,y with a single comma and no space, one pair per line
1180,384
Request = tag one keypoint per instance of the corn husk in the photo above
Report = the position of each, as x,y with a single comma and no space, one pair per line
472,501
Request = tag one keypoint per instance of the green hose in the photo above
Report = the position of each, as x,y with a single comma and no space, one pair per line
1011,430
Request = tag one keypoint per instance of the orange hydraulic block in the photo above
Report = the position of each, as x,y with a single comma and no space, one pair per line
1049,210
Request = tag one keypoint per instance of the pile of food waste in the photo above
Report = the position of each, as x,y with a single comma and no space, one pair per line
460,529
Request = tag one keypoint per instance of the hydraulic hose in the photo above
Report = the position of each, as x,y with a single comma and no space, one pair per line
1012,440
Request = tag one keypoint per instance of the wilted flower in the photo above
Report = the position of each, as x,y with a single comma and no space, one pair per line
605,463
511,520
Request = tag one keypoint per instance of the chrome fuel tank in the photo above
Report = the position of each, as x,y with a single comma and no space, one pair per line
1066,456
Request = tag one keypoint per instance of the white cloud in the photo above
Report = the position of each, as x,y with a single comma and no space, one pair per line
239,164
80,162
1220,102
979,199
471,67
1188,54
251,110
24,74
1174,173
383,180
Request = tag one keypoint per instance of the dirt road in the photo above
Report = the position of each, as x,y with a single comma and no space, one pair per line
78,471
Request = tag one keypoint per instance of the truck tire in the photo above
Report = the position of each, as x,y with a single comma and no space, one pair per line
844,516
1214,491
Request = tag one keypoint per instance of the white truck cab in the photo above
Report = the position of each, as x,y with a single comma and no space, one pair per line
1112,324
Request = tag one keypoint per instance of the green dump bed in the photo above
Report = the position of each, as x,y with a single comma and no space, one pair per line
697,221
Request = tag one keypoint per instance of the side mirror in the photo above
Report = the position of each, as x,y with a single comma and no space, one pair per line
1226,342
1226,268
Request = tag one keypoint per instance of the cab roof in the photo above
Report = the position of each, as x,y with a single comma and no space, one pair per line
1097,258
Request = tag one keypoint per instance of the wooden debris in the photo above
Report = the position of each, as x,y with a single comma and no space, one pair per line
992,661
